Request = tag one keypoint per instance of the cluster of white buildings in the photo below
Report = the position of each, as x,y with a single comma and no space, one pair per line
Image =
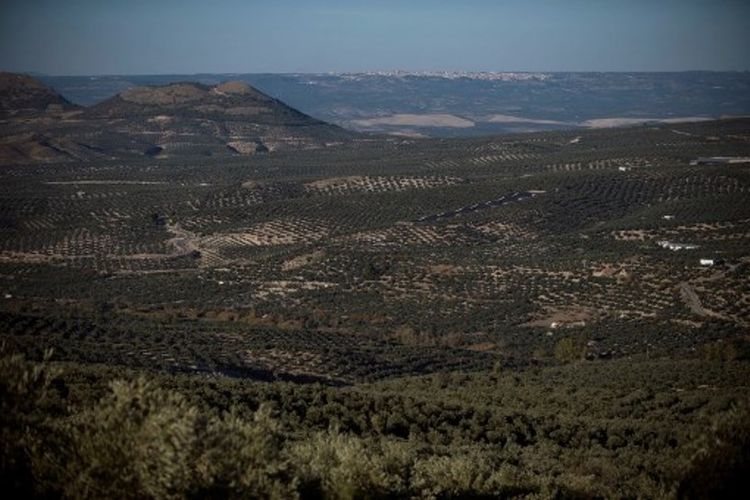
504,76
721,160
671,245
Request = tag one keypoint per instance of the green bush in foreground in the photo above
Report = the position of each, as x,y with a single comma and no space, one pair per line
138,439
143,441
341,466
237,457
721,468
24,406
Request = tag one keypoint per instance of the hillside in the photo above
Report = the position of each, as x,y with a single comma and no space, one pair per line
228,115
491,317
179,119
33,123
22,95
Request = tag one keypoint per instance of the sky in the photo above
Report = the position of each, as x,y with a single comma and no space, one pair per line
94,37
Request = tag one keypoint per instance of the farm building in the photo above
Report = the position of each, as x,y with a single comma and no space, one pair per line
671,245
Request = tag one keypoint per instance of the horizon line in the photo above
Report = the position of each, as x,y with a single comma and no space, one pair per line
376,71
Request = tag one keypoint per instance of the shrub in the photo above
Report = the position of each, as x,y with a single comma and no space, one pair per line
240,458
721,467
25,395
341,466
469,474
135,443
569,349
719,351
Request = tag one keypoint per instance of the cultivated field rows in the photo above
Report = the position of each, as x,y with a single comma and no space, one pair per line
425,254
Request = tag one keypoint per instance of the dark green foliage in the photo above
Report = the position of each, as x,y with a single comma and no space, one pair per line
570,349
721,467
563,432
26,404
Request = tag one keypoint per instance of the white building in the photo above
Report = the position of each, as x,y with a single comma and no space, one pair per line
671,245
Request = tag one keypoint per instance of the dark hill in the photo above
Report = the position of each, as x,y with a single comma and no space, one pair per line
201,118
34,123
180,119
24,95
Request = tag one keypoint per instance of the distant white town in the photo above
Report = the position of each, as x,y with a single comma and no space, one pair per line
451,75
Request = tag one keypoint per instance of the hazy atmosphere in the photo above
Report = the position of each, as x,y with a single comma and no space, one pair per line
70,37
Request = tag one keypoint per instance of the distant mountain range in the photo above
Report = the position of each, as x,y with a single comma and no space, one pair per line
230,118
456,103
171,115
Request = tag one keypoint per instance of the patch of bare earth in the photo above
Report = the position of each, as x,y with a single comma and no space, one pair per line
563,317
416,120
243,147
276,232
482,347
303,260
497,118
28,257
445,270
292,362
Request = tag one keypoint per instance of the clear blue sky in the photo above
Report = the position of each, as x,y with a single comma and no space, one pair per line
73,37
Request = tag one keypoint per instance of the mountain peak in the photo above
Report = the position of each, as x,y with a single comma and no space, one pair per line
193,118
10,81
174,93
234,87
227,98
